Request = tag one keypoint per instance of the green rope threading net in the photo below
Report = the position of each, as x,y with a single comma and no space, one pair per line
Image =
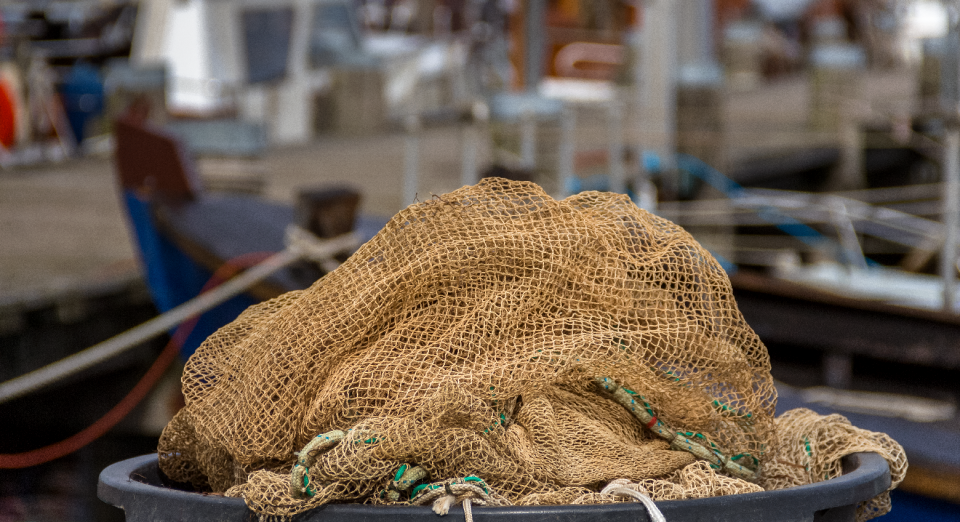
498,334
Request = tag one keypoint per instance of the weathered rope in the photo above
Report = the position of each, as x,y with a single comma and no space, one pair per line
467,491
467,510
321,251
701,448
406,478
299,475
620,487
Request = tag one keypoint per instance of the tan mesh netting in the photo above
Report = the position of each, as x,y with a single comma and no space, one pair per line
492,336
809,448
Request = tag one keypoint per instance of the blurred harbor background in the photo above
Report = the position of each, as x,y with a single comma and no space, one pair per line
812,143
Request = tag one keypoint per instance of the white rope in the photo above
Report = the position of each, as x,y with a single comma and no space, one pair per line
300,244
116,345
618,487
309,246
467,510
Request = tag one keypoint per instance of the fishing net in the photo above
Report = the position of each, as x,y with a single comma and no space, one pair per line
809,450
490,342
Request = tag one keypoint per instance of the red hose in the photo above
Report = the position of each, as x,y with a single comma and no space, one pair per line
125,406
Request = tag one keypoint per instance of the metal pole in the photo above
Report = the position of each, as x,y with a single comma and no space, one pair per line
951,217
568,127
469,139
618,182
658,99
695,42
528,136
411,160
951,168
534,38
474,134
849,242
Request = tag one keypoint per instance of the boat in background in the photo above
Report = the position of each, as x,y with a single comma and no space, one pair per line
185,234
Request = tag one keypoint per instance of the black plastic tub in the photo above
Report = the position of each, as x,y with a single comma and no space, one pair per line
135,485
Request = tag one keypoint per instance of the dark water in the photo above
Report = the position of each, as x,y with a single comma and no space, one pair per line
66,489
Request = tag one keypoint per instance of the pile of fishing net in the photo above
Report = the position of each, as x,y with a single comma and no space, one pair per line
496,343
